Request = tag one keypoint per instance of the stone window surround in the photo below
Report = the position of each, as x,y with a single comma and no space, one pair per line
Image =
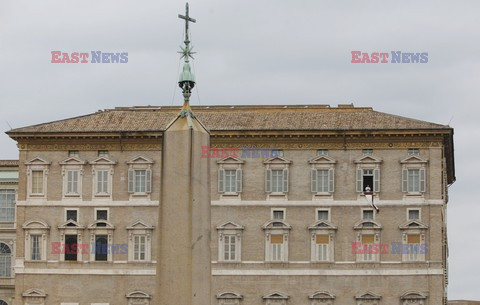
229,298
36,227
323,162
368,162
94,231
231,163
277,163
276,298
322,298
374,230
140,163
37,164
413,227
75,164
140,228
322,227
270,230
230,228
77,230
414,162
138,297
102,163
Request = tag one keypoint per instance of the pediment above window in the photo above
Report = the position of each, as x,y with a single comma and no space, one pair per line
137,294
276,224
322,295
276,295
368,159
72,161
277,160
229,295
38,161
230,160
322,225
413,295
322,160
34,293
367,224
102,161
140,225
413,224
413,160
140,160
70,224
101,224
230,225
35,224
368,296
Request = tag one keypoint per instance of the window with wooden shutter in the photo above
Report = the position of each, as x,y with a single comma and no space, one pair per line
221,180
285,180
239,181
130,181
268,180
376,180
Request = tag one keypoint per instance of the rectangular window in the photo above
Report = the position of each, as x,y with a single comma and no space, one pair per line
276,243
103,153
413,180
322,152
277,181
74,153
140,181
367,152
7,205
72,215
101,248
71,247
322,215
72,182
413,247
413,214
413,152
229,248
102,214
367,214
322,241
102,181
35,247
368,179
139,247
37,182
277,152
278,214
230,181
322,180
367,247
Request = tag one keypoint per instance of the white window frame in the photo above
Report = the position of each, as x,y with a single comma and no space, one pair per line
7,210
94,231
281,164
101,209
66,229
322,152
367,209
270,230
230,163
362,229
273,210
328,210
65,210
37,164
9,271
322,163
39,228
414,227
140,163
102,163
72,164
414,162
368,162
230,228
414,209
145,230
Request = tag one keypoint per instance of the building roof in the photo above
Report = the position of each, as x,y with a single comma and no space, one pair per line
234,118
8,163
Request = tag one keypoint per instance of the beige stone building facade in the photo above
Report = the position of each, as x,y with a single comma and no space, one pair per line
8,193
290,223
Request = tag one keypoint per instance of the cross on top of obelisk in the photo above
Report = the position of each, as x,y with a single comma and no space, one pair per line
187,19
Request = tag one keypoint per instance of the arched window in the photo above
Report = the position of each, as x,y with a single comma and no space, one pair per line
3,302
5,261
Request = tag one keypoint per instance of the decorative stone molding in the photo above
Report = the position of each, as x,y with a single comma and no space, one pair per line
102,164
37,164
272,164
40,228
230,163
229,298
232,229
276,228
322,228
368,298
413,298
140,228
276,298
71,227
322,163
105,228
72,164
34,296
138,297
322,298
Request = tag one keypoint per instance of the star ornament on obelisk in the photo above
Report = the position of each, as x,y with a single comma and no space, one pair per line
183,247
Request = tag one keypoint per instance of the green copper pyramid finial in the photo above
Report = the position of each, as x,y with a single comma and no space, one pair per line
186,80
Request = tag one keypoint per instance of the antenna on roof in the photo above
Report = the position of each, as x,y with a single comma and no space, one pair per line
8,125
450,121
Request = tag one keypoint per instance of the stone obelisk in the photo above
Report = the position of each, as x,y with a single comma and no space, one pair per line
183,257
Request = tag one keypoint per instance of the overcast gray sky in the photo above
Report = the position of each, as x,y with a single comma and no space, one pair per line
258,52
